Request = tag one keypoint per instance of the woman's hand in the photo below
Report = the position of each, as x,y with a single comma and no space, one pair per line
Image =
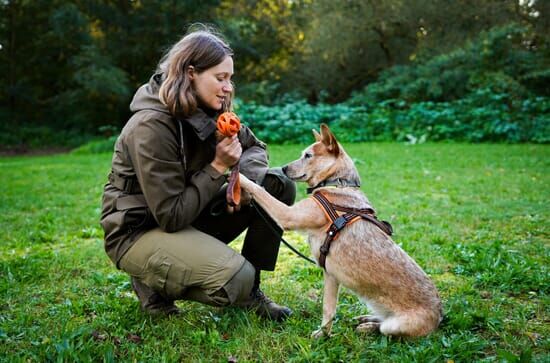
228,153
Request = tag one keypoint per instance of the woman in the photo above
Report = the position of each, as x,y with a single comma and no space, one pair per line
164,213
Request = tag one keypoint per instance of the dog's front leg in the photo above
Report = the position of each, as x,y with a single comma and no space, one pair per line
330,299
303,215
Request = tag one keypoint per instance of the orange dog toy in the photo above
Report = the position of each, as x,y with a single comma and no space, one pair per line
228,124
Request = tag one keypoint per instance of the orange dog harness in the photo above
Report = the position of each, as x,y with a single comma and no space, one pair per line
228,124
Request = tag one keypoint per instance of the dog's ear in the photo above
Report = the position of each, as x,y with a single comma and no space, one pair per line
316,135
327,137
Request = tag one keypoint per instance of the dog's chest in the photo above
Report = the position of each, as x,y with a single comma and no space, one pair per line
315,240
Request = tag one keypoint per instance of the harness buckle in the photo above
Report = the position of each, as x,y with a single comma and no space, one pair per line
340,223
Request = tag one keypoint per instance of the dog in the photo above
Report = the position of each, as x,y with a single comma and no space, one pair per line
363,257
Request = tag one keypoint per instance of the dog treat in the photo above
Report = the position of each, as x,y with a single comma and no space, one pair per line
229,124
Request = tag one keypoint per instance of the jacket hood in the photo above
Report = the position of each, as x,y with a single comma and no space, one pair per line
147,97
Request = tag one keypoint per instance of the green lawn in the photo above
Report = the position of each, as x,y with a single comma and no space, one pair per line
475,217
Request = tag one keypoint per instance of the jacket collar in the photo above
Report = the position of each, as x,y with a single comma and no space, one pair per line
203,124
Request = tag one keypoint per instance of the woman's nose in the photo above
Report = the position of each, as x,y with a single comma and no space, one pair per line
228,87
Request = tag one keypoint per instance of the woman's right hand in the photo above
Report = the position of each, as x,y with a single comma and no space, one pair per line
228,153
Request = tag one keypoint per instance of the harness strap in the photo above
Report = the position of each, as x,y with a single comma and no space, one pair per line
368,214
339,222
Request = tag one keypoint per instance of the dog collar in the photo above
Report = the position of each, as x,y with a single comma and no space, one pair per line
338,183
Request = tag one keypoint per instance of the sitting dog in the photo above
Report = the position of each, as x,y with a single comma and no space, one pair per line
355,249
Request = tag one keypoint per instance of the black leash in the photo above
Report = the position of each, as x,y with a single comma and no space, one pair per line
269,223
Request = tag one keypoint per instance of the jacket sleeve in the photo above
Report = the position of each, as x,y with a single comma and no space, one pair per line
254,159
173,201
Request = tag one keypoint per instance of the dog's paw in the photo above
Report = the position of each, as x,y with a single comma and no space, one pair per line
245,182
318,334
368,328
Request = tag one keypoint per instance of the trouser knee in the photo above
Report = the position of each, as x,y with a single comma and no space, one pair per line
280,186
239,286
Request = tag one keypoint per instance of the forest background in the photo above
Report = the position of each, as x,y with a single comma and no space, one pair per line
414,71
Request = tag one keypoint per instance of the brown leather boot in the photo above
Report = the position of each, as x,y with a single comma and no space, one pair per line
151,301
265,307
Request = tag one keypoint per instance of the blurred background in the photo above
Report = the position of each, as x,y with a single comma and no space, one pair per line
393,70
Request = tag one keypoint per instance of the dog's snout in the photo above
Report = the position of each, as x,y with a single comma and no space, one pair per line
285,169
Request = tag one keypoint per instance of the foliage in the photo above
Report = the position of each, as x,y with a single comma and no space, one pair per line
503,60
480,234
75,64
489,90
97,146
482,117
37,137
292,122
348,43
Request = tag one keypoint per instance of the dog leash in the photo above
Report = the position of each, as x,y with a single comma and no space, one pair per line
270,224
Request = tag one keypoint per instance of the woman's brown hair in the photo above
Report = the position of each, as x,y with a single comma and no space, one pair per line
201,49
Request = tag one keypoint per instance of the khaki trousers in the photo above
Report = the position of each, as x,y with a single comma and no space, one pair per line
196,263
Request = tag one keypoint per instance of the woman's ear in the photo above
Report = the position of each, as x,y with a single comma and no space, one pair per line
191,72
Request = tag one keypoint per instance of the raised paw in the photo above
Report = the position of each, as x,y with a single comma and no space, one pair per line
367,319
368,328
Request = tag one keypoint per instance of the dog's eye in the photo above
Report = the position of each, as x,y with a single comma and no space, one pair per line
307,155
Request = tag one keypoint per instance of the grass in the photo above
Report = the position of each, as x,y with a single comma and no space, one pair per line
475,217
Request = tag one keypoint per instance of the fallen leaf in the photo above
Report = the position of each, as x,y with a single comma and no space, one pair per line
97,336
533,336
134,338
485,294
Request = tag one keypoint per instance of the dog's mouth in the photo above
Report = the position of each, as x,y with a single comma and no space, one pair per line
299,178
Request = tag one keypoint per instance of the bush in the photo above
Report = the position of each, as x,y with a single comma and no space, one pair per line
97,146
502,59
483,116
25,138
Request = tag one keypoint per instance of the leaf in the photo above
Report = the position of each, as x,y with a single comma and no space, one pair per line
134,338
98,337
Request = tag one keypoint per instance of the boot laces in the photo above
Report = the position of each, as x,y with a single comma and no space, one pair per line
261,297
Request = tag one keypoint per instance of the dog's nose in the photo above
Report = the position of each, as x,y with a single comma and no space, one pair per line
284,169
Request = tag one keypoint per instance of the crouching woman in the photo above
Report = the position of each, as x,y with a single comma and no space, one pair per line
164,212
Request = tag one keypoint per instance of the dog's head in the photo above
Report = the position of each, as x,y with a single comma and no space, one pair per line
322,161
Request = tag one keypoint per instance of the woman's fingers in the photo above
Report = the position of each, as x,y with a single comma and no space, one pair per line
229,150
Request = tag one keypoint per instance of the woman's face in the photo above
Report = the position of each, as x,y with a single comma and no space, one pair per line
213,86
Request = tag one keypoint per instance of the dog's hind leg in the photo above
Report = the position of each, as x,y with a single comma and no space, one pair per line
411,324
367,319
368,327
330,299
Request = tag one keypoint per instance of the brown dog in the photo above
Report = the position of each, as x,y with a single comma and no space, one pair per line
402,298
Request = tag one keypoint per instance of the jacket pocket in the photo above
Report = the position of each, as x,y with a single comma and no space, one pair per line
135,213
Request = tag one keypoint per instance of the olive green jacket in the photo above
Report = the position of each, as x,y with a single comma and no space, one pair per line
161,173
